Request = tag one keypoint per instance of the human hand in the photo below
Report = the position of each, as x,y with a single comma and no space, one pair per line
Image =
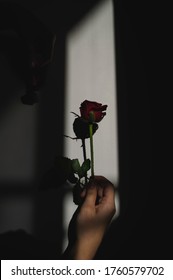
90,221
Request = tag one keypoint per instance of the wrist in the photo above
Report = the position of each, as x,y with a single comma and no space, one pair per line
80,250
84,251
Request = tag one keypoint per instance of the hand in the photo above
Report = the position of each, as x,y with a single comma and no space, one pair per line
91,219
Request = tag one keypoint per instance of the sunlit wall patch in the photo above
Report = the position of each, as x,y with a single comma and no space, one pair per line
90,75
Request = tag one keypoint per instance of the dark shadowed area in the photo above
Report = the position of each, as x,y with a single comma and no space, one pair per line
31,131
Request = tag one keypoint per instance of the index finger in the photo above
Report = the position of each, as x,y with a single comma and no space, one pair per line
91,195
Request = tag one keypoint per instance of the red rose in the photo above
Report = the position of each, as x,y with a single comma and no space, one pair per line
94,109
81,128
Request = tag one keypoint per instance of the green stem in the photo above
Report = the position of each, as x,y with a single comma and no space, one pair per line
84,156
91,148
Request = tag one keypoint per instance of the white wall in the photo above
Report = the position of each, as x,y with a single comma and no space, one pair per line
91,75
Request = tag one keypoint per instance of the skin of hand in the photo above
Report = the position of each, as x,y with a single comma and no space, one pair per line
89,222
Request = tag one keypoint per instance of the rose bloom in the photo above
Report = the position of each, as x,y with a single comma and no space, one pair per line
96,109
81,128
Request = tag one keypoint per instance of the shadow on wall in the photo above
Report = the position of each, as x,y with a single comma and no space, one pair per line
26,133
27,45
32,135
28,53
